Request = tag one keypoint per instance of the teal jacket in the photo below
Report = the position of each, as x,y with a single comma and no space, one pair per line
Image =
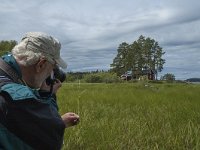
29,118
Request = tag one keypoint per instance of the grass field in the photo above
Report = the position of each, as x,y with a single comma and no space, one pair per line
132,116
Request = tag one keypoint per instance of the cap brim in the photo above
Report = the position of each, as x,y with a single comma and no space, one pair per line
61,63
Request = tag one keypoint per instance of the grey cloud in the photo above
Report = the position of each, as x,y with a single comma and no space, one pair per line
90,31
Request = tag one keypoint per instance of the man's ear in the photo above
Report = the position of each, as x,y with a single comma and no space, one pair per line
40,65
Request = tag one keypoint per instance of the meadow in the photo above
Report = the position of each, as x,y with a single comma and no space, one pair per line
132,116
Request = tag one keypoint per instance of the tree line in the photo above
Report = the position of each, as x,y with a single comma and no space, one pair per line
144,53
6,46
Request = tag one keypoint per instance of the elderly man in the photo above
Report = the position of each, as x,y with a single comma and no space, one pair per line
29,117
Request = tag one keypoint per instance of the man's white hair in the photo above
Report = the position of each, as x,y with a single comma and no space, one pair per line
24,56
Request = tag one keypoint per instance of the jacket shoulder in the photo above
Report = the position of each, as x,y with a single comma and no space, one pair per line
18,91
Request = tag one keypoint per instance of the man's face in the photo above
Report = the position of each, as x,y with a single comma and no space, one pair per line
48,70
45,71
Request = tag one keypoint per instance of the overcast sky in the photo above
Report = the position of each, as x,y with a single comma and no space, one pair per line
91,30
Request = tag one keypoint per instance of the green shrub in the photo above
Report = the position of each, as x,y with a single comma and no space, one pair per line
101,77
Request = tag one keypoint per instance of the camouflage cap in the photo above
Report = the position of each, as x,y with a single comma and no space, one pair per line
39,42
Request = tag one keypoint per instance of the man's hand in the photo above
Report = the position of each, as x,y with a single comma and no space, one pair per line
70,119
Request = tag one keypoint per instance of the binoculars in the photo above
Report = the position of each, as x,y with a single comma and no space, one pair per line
57,74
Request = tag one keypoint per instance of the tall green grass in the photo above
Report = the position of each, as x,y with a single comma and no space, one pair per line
132,116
